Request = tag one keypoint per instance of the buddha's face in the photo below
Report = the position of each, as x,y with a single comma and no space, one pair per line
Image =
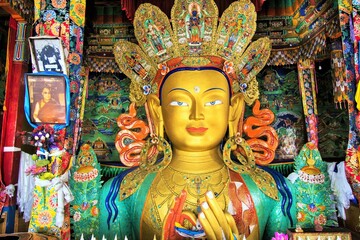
195,109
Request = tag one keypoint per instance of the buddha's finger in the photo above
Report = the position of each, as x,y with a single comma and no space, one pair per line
176,207
170,217
210,234
205,208
174,215
219,214
175,204
230,219
180,205
168,231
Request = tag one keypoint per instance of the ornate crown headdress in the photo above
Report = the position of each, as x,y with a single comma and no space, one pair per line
196,39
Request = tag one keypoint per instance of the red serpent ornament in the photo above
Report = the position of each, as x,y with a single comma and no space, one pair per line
263,139
130,140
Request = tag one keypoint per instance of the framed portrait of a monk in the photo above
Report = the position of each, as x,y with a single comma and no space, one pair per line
47,98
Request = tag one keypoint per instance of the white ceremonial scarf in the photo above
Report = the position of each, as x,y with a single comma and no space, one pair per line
340,187
26,185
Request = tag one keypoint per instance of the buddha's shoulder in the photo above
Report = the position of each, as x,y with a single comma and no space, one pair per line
128,184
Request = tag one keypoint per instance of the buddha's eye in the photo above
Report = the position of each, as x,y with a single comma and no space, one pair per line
178,104
212,103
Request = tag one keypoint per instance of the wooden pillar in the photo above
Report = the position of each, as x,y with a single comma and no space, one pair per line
71,18
77,71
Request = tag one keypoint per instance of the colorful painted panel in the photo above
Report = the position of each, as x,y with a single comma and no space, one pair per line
279,92
107,98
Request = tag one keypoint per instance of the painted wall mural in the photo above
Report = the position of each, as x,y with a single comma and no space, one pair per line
108,97
280,92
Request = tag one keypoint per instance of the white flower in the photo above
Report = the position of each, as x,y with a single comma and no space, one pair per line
301,205
77,216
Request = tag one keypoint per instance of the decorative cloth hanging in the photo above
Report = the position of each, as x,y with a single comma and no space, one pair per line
340,85
308,90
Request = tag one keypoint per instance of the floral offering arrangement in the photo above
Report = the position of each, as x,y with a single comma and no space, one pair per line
51,194
51,159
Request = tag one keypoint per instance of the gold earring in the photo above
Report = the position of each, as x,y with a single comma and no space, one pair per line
232,144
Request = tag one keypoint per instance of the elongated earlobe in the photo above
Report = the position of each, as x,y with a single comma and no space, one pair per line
154,108
236,113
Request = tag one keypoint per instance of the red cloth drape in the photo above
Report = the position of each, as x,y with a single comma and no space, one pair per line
258,4
130,6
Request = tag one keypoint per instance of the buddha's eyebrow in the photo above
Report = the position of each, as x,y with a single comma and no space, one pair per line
181,89
210,89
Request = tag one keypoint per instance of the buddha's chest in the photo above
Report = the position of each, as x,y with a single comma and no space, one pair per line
185,190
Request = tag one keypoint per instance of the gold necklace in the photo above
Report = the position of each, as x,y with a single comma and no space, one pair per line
195,184
169,183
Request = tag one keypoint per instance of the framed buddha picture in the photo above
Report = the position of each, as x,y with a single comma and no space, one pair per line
47,54
47,98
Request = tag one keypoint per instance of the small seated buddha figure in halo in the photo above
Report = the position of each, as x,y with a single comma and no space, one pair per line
205,181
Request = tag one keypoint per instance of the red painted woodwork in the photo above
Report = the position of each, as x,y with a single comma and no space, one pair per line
13,119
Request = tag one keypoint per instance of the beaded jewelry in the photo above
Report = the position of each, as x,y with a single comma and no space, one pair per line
262,179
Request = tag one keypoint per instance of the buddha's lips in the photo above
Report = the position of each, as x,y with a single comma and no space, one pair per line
196,129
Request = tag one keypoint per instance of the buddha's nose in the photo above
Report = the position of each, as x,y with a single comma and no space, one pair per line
197,111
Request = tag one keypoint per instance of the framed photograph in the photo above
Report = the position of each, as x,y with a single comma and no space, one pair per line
47,99
47,54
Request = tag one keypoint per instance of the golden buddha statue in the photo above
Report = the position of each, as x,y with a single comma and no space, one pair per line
200,187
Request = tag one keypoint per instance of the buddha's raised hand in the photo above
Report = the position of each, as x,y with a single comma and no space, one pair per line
216,223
